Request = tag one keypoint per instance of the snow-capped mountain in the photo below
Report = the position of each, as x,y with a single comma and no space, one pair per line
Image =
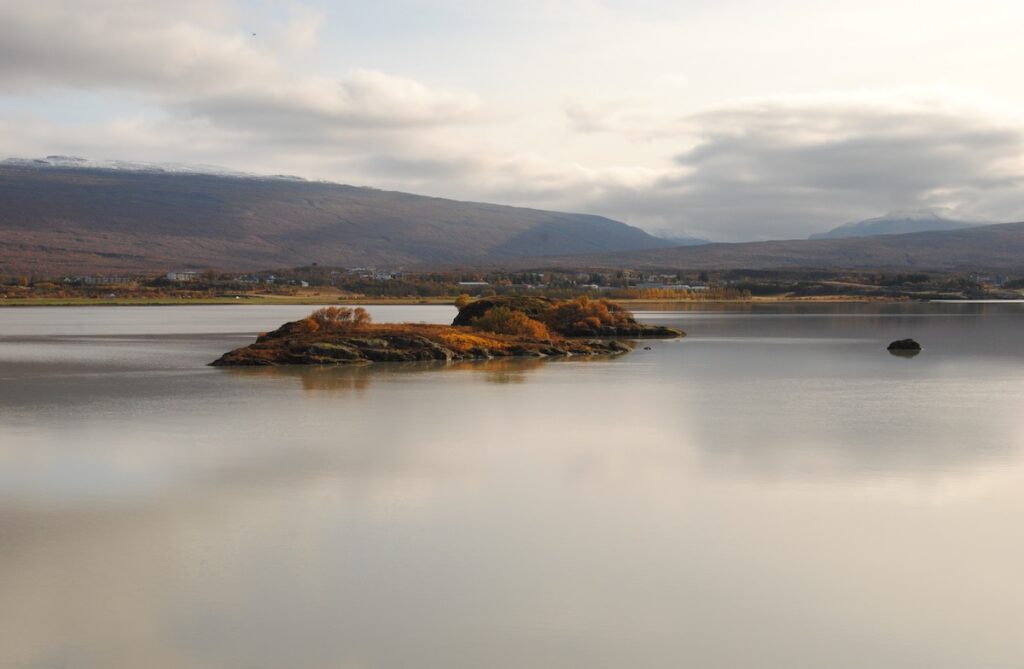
65,162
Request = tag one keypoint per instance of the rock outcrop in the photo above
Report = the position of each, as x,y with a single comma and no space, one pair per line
904,345
404,343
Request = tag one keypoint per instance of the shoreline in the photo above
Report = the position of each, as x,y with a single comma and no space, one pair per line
313,300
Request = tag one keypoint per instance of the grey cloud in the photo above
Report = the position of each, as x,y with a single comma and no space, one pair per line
413,169
112,44
318,111
192,63
780,169
790,169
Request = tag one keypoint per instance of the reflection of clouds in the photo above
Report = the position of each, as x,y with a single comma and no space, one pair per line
90,590
818,413
395,516
519,523
506,371
126,439
951,331
268,541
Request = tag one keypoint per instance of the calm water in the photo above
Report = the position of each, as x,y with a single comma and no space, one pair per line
774,491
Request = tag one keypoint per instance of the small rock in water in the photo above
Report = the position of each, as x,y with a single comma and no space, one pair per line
647,348
904,345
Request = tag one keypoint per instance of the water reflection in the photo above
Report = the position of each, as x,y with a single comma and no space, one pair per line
838,308
768,492
947,330
904,353
359,377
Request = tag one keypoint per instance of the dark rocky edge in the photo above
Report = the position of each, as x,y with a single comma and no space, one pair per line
323,342
290,345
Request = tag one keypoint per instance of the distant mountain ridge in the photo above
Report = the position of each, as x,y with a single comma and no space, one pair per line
899,223
62,216
681,239
988,248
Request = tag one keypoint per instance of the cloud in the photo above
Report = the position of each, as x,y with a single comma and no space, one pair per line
315,110
119,43
194,65
786,167
634,119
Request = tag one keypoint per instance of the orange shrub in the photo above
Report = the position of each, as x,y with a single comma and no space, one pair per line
337,318
503,320
585,313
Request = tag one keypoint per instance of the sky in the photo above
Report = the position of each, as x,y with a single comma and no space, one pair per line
729,120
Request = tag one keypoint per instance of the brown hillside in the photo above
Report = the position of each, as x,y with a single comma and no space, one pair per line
62,220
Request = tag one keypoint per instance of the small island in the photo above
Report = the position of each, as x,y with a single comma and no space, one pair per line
488,328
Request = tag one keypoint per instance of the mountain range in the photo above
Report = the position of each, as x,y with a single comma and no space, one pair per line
58,216
899,223
989,248
64,216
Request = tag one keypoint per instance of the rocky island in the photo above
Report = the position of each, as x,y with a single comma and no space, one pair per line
487,328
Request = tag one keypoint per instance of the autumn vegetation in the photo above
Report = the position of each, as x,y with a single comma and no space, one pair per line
565,317
466,342
540,317
584,313
710,294
503,320
337,319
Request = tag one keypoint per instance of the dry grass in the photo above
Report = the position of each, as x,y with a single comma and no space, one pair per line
460,339
462,342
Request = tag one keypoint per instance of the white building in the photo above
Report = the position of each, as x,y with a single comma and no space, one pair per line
182,276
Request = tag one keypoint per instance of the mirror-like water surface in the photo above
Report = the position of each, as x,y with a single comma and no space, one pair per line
776,490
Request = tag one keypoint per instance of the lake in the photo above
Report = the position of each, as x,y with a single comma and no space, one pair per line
775,490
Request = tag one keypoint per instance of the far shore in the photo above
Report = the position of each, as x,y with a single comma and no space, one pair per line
265,300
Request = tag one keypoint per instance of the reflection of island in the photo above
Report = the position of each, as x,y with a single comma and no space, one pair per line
905,353
507,327
503,371
358,378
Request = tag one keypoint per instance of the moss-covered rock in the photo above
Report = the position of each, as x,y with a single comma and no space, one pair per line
581,317
533,307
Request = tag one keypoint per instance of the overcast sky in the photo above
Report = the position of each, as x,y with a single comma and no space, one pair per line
725,119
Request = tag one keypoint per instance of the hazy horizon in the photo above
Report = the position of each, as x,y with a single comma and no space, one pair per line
727,121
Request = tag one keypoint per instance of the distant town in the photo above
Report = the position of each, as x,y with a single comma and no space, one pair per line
314,283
